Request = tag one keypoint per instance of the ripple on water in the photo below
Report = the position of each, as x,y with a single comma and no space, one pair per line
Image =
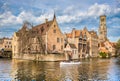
94,69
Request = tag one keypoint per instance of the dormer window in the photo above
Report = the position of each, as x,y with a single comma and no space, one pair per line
54,31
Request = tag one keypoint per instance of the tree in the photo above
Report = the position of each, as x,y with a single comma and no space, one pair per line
103,54
118,47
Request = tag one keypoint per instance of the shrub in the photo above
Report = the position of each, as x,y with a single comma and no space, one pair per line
103,54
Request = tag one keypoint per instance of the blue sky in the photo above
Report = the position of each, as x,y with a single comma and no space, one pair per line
70,14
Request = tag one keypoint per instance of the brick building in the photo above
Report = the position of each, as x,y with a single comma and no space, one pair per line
6,44
85,41
44,38
5,47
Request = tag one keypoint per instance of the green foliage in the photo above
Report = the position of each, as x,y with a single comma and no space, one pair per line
118,46
103,54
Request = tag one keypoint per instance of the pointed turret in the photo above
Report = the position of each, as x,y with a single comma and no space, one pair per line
54,17
85,28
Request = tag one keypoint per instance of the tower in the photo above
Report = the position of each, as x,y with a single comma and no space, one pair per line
102,29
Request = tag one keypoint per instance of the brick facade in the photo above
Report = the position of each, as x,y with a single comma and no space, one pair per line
44,38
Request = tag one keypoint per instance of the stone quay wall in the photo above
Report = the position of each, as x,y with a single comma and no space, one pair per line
40,57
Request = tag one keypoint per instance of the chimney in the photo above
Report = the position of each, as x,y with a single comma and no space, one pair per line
46,20
73,35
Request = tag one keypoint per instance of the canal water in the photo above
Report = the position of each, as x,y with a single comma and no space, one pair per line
88,70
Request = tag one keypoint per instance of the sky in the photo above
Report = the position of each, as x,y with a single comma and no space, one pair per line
69,13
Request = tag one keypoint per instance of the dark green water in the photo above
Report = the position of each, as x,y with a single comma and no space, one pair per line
88,70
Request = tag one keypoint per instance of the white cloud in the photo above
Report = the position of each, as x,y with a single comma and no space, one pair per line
114,38
70,14
93,11
117,10
69,9
97,10
66,18
8,19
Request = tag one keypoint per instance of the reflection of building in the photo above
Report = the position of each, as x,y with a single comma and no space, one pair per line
85,41
43,38
69,73
23,70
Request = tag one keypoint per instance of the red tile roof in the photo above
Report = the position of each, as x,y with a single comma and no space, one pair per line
43,28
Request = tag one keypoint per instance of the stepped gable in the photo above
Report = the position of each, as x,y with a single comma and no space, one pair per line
42,28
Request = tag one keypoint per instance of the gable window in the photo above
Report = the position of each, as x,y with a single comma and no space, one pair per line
54,47
62,47
61,39
54,31
54,25
58,40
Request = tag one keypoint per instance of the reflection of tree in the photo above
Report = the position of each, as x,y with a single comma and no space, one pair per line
88,70
36,71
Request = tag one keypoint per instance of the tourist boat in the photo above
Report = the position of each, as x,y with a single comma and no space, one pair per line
69,63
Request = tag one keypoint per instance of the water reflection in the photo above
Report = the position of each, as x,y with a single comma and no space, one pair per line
69,73
88,70
37,71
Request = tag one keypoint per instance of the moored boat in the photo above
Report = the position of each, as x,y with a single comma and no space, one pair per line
69,62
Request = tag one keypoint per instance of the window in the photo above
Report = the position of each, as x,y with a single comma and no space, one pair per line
62,47
36,48
14,48
58,40
54,31
54,25
102,19
48,25
54,47
9,42
5,46
61,39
